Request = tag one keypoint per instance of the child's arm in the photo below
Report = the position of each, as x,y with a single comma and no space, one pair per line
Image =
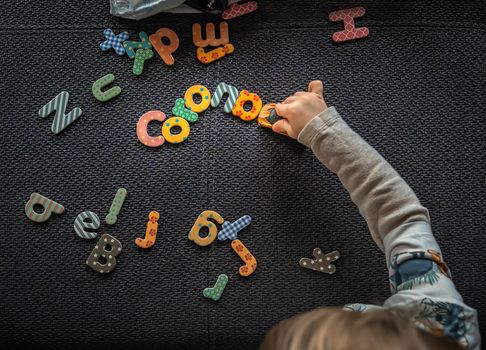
382,196
399,224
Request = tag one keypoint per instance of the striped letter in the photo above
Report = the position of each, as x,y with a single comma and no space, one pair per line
49,207
232,96
61,120
80,224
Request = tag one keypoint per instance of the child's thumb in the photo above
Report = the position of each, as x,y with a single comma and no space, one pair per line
316,87
282,126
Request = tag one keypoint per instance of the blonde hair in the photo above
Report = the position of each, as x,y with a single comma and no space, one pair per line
338,329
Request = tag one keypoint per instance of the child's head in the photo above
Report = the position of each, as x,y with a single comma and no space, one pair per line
337,329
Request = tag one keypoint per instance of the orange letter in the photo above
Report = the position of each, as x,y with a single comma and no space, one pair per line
210,35
150,232
203,220
246,256
165,51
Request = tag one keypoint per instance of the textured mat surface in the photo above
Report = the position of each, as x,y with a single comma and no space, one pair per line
414,89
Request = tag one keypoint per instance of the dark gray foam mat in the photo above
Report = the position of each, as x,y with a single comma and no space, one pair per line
414,89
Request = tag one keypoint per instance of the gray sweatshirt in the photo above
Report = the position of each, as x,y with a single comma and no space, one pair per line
400,226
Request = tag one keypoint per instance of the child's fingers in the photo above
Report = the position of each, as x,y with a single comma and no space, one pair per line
290,99
282,109
316,87
282,126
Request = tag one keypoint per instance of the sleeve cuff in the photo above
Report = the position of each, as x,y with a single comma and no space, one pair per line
414,236
318,124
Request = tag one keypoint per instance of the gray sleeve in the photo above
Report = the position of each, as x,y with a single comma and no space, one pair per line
384,199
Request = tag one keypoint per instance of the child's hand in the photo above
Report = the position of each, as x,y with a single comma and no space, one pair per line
300,109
